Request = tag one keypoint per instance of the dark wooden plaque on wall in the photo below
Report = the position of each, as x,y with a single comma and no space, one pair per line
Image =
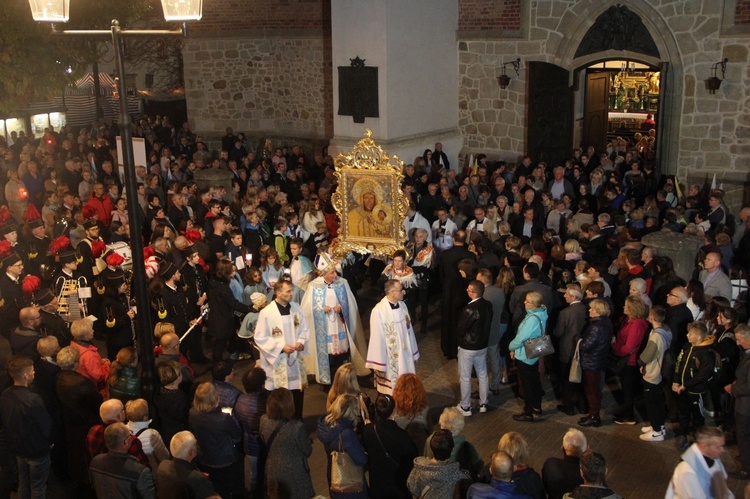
358,91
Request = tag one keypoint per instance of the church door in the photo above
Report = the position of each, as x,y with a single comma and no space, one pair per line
595,111
550,113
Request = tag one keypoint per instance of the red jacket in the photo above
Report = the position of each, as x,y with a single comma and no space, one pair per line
630,338
103,207
93,367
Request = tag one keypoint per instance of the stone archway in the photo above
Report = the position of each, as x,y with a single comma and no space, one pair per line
576,23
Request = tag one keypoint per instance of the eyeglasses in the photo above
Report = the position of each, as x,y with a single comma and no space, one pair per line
672,295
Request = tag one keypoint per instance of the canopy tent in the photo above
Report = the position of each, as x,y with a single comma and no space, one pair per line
80,100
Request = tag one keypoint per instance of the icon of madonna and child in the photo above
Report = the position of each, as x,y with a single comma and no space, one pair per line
372,215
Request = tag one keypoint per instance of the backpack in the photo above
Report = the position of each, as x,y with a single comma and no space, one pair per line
669,360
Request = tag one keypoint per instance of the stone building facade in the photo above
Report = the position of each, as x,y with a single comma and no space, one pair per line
263,68
704,133
266,67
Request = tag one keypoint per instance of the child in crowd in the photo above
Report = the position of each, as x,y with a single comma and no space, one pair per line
694,369
650,362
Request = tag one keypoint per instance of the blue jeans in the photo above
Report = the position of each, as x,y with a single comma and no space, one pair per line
478,360
32,477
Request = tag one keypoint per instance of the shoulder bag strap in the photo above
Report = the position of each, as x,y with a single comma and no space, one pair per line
541,328
273,436
375,428
140,431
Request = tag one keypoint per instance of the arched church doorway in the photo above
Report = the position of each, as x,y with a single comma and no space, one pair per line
608,74
618,98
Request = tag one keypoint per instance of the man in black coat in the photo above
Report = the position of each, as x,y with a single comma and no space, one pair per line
449,276
678,317
570,324
528,226
473,336
740,390
13,298
23,339
561,476
28,428
179,477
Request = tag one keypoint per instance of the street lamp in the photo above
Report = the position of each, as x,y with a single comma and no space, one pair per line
174,10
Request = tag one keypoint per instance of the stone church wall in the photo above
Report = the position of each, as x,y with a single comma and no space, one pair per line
263,68
710,133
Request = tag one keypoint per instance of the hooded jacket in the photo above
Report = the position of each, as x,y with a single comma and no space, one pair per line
440,476
695,366
652,356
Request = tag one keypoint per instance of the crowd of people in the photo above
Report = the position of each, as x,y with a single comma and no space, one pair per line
540,272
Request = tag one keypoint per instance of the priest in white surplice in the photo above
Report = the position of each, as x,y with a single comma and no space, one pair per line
393,348
281,335
336,335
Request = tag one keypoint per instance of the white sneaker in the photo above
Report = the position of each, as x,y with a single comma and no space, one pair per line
646,429
656,436
465,412
483,408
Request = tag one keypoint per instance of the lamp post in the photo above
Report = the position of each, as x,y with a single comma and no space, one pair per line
174,10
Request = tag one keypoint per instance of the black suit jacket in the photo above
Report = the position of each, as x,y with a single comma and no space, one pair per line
678,318
517,228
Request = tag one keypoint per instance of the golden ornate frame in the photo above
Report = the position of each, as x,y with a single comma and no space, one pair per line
368,169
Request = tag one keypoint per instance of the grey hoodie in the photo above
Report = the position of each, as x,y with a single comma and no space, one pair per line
652,356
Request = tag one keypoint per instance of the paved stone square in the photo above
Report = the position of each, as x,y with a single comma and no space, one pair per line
636,469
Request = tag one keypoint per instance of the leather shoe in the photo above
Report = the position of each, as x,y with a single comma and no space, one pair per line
594,421
565,410
523,417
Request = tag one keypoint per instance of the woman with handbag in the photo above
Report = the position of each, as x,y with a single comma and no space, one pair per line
286,447
531,327
346,456
628,344
594,351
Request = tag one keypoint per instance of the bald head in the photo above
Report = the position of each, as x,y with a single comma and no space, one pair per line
170,343
112,411
502,466
680,294
117,438
28,317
